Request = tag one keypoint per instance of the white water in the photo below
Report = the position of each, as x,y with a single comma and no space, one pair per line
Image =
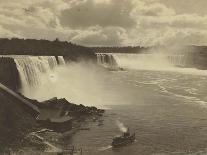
152,97
42,78
77,82
31,68
107,61
61,60
85,83
156,62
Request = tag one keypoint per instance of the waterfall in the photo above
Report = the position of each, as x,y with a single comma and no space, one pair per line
147,61
142,61
179,60
61,60
107,60
31,68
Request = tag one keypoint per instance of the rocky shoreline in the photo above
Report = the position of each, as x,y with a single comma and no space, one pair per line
42,133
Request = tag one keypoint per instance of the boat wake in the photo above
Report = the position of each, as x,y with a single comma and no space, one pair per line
105,148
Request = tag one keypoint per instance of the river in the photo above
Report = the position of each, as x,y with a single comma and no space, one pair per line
166,107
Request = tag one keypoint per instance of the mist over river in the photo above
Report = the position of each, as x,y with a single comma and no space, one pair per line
165,105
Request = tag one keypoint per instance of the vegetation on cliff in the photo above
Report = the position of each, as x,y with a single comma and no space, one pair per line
17,46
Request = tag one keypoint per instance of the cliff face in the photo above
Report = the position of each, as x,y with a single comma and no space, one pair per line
9,75
15,122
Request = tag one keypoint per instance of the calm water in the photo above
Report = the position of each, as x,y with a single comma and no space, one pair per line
167,110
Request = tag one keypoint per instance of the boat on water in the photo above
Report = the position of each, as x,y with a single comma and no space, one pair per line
124,139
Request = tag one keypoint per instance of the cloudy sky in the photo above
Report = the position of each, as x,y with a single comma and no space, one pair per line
107,22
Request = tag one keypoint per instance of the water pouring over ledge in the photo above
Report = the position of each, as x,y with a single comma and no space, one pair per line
157,114
42,75
158,62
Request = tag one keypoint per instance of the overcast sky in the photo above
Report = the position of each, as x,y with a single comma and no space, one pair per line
107,22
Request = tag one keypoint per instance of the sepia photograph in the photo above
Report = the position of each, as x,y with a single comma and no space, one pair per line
103,77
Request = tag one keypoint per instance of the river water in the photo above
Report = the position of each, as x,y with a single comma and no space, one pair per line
166,110
164,105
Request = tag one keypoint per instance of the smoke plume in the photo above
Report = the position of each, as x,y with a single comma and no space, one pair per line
121,126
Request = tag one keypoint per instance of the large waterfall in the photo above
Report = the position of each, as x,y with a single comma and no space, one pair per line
107,61
61,60
32,67
149,61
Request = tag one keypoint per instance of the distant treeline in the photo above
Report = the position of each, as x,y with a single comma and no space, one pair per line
127,49
139,49
15,46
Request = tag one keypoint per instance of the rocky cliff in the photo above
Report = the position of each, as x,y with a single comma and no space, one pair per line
9,74
15,122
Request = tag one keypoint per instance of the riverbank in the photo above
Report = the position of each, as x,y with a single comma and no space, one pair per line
17,124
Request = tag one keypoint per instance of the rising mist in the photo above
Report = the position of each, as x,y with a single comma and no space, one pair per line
81,83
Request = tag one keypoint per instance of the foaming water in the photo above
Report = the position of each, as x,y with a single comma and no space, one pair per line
165,109
155,62
31,68
105,148
81,83
143,61
85,83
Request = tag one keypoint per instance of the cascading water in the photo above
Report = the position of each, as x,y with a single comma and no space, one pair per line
178,62
41,78
143,61
149,61
107,60
61,60
31,68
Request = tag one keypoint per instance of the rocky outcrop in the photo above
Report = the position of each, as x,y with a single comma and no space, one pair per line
15,122
28,106
59,114
69,109
9,74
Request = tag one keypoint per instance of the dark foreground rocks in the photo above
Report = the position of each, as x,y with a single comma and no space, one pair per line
9,75
57,115
15,123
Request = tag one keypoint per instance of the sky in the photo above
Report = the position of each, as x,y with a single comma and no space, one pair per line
107,22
